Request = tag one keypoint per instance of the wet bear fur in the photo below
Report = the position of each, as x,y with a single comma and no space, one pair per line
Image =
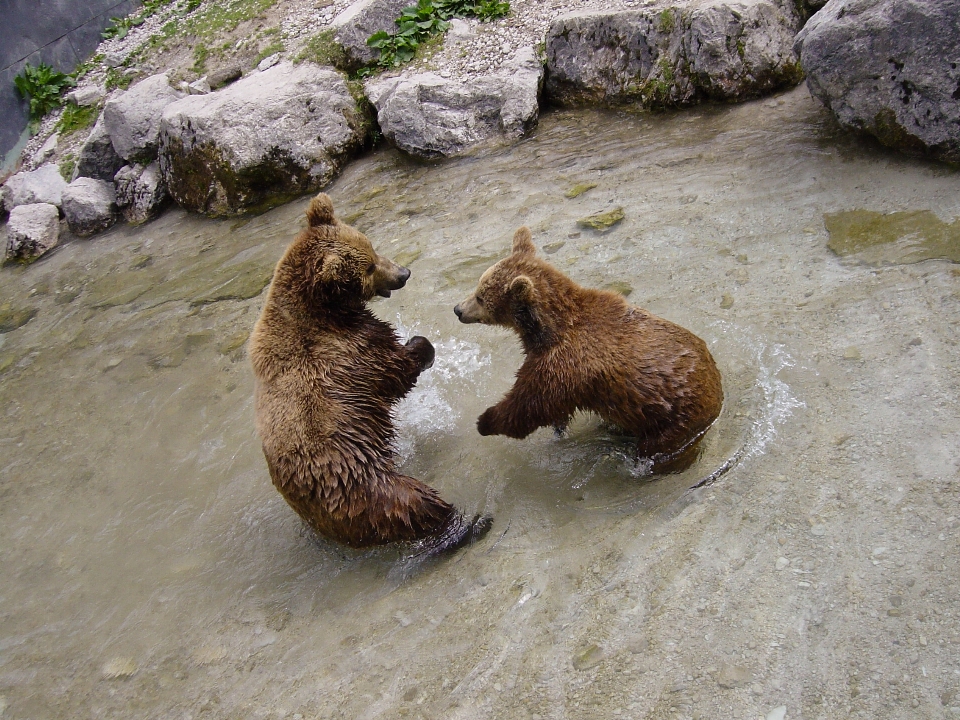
591,350
328,373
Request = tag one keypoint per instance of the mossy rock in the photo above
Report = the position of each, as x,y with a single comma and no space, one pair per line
12,317
602,221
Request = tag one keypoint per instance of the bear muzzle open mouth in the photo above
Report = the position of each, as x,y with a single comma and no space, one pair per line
397,281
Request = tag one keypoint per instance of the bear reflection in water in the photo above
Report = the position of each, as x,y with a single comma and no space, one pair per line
591,350
328,373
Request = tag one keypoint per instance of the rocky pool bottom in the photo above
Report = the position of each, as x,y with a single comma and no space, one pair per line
151,570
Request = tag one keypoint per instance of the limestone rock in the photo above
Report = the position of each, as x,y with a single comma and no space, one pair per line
428,115
89,206
362,19
889,68
132,118
224,75
86,95
141,192
673,56
260,141
43,185
98,159
32,230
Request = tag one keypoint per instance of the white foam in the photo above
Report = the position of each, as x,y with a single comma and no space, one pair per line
429,409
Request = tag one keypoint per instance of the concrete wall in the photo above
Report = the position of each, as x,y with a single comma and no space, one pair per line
61,33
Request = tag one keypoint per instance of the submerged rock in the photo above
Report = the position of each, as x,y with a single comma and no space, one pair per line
89,206
43,185
601,221
132,118
260,141
141,192
32,230
12,318
358,22
428,115
673,56
890,69
98,159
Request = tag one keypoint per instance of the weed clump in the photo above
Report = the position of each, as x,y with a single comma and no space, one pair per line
422,21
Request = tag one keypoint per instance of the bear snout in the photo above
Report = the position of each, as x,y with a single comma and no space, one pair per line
458,312
393,280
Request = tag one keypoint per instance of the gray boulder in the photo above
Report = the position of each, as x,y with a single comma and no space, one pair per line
260,141
141,192
358,22
673,56
429,116
132,118
97,158
32,230
89,206
889,68
43,185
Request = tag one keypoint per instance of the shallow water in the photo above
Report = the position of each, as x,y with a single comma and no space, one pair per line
151,570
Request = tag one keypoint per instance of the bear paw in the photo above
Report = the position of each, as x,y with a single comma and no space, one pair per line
422,350
487,422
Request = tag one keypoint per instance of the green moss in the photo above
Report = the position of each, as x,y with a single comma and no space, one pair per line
117,79
76,118
200,54
271,49
579,189
899,237
213,19
12,318
67,165
601,221
666,21
323,49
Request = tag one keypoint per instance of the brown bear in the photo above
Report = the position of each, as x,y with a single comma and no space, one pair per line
591,350
328,373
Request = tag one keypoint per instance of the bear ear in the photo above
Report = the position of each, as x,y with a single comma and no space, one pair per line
523,242
328,269
521,289
320,211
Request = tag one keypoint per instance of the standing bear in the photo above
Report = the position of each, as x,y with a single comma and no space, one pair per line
328,373
591,350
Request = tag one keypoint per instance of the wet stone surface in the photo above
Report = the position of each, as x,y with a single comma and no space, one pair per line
150,569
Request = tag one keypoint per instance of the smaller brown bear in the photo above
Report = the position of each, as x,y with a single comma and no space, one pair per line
591,350
328,373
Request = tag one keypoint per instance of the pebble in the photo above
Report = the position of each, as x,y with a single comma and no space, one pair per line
726,302
778,713
782,562
589,657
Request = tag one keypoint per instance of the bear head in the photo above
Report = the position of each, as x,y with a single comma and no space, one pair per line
515,293
331,263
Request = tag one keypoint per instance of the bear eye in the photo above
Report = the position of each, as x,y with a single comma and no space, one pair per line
371,268
479,300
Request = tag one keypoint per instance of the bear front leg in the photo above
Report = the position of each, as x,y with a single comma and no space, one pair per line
523,410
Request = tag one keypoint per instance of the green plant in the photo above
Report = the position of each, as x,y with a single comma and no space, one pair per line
200,54
43,86
323,49
66,166
271,49
121,26
427,18
76,118
117,79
